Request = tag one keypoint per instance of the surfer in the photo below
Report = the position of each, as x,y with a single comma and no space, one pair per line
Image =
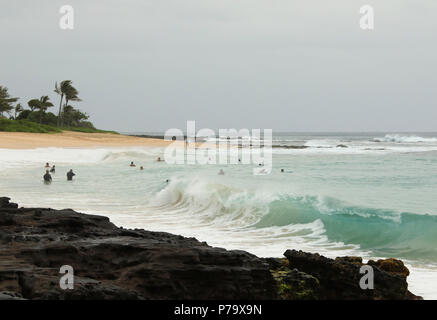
132,164
53,169
70,175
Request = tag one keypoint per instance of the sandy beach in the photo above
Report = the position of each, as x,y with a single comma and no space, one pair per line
24,140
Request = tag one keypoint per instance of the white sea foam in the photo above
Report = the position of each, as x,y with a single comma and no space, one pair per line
232,211
397,138
19,158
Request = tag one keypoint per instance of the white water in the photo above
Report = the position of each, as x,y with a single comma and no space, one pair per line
326,201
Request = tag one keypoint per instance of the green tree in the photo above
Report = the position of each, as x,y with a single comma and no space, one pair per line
60,90
34,104
42,104
6,102
70,95
24,114
67,91
45,103
73,117
18,109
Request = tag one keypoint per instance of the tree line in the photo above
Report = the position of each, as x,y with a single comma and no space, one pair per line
67,115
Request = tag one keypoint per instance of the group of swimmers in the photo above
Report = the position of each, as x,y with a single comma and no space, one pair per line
70,174
132,164
48,177
222,173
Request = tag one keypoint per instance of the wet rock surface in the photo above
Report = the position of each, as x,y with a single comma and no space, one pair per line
340,278
116,263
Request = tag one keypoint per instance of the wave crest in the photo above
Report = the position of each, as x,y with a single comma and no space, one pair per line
397,138
305,222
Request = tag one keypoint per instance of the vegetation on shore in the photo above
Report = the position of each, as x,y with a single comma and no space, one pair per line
16,118
26,126
33,127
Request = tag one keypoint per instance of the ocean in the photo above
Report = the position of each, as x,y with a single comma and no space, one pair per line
370,194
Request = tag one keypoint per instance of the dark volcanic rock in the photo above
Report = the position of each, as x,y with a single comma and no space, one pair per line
116,263
4,203
292,283
392,266
340,278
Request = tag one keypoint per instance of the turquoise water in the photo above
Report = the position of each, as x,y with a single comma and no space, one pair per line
375,198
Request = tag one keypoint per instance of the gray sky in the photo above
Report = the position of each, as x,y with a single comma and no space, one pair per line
288,65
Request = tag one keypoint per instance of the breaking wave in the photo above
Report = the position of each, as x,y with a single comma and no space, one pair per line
404,139
305,222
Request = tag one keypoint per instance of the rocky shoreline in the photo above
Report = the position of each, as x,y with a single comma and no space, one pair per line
115,263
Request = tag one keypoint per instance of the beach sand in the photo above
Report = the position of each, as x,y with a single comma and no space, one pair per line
25,140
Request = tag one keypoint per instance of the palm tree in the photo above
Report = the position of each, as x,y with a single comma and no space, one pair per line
6,101
18,109
71,94
45,103
34,104
63,87
42,104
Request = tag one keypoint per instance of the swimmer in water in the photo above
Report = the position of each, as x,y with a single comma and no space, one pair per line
141,168
47,165
47,177
221,172
53,169
159,159
70,175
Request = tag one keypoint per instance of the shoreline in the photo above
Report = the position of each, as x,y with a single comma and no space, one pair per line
111,262
71,139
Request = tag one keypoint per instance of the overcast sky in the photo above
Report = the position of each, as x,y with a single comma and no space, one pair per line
150,65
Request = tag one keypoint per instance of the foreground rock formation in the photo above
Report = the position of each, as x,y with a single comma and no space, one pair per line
115,263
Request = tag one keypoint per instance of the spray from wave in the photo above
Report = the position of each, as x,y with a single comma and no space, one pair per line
316,223
396,138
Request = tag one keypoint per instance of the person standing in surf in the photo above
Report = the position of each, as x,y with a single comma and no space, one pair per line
70,175
47,177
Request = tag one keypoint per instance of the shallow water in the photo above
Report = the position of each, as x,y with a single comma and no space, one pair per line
375,198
